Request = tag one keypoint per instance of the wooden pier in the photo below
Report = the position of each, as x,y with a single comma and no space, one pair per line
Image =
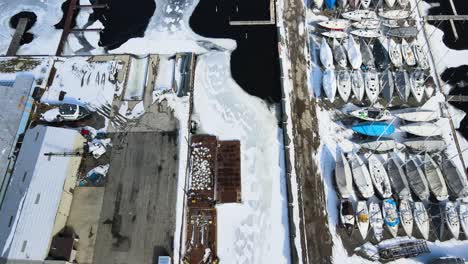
72,8
16,40
272,20
457,98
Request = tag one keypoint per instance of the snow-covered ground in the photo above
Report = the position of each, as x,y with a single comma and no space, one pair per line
46,37
334,136
84,82
255,231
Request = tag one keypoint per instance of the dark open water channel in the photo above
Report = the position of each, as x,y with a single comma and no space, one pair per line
254,64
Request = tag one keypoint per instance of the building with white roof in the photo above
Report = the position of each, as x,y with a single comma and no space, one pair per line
39,195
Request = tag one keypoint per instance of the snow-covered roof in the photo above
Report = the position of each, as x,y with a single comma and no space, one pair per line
12,102
32,199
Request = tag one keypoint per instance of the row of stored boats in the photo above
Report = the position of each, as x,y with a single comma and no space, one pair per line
422,174
374,80
371,54
331,4
408,214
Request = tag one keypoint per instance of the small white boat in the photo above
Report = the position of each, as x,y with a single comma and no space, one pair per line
417,85
435,179
329,84
379,176
372,114
347,215
423,144
390,216
357,84
367,24
343,177
326,55
451,219
360,14
416,179
344,84
335,34
361,176
339,55
407,53
421,219
463,213
403,3
354,53
406,216
395,14
390,3
366,33
362,218
381,145
371,83
365,3
376,220
335,24
417,115
421,57
422,129
394,52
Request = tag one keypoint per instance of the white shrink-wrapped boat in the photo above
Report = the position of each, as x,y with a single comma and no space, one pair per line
417,85
354,53
329,84
344,84
397,177
417,115
422,129
451,219
416,179
362,218
326,55
371,82
376,220
372,114
357,84
421,219
343,176
379,177
435,179
394,51
407,53
361,176
406,216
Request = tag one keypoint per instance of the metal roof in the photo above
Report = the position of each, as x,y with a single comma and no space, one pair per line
32,199
13,102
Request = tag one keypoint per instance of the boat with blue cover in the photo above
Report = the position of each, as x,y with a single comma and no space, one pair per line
390,215
330,4
374,129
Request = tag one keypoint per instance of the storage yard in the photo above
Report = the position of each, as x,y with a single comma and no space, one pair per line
393,166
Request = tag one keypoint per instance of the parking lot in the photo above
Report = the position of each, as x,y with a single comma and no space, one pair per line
138,216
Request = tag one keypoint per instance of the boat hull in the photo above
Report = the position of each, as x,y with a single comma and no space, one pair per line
374,129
